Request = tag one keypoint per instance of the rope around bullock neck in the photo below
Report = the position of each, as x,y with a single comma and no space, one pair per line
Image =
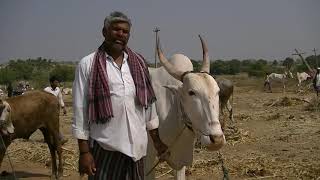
5,148
159,160
186,125
187,121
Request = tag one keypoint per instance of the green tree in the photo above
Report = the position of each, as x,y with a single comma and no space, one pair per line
64,73
288,62
196,65
275,63
313,61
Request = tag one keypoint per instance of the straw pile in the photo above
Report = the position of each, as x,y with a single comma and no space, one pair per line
37,151
314,105
285,101
259,165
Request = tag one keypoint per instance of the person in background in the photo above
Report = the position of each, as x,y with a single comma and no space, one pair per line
114,109
10,89
316,81
56,91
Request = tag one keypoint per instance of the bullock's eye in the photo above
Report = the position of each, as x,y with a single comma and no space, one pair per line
191,93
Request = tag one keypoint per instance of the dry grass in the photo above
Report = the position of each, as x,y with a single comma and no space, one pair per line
314,105
37,151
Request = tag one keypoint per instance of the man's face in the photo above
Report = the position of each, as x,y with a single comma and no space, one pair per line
54,84
117,35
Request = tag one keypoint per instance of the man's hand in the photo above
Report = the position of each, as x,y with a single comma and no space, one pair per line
86,164
86,161
162,149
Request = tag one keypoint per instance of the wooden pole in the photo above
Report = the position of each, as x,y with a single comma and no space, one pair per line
303,60
315,56
156,30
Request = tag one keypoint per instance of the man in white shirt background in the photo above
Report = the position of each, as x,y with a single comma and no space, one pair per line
56,91
113,103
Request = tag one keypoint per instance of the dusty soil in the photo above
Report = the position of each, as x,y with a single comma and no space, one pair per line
274,136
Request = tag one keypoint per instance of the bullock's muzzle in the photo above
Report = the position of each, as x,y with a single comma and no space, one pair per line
217,142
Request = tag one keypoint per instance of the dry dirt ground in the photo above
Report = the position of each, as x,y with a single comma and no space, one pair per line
274,136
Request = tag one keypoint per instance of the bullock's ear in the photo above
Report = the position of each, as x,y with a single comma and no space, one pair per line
174,89
10,128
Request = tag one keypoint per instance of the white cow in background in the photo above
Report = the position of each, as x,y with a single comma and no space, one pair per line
188,108
67,91
303,76
1,93
274,77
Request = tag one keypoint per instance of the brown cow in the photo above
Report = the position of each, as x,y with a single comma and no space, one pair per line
21,116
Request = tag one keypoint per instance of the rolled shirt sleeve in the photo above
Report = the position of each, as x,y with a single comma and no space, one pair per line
60,99
80,123
152,119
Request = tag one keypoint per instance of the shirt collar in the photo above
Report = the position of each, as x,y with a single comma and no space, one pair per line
125,57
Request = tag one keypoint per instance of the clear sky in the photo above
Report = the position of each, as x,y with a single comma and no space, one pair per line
70,29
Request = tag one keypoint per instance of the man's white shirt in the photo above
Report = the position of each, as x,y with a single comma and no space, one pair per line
126,132
56,92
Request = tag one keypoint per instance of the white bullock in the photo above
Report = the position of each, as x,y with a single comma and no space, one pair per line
188,108
274,77
67,91
303,76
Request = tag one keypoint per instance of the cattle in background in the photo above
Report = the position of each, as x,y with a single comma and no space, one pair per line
226,91
280,78
21,116
188,108
67,91
303,76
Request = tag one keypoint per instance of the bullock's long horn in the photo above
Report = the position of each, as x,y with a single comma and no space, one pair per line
206,60
166,64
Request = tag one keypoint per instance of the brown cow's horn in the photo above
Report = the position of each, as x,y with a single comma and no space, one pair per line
206,60
166,64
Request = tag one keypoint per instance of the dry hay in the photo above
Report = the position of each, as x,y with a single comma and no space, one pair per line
314,105
253,165
198,167
35,151
243,117
236,135
273,116
259,165
285,101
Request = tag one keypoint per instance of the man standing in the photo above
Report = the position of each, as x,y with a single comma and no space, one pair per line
10,89
316,81
113,102
55,90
